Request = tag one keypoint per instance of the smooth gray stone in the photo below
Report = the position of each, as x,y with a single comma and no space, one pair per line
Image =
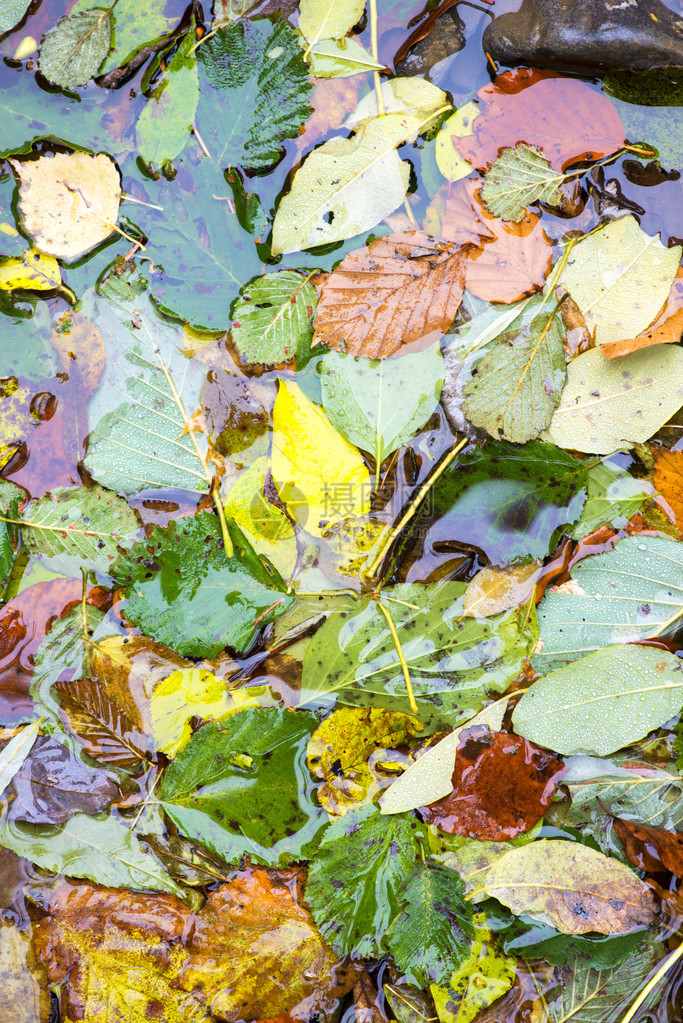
588,35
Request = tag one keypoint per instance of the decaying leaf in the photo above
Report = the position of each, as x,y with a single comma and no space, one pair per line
482,978
571,886
251,952
502,785
349,747
69,202
106,731
651,849
394,291
494,589
668,479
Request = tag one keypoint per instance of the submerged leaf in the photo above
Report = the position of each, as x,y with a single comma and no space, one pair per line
481,979
163,128
73,51
589,995
518,178
106,731
651,849
15,752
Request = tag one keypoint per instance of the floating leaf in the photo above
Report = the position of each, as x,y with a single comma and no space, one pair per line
668,479
620,278
239,787
12,13
30,271
666,329
602,702
163,128
134,28
448,159
378,406
353,908
610,404
328,19
106,731
185,591
63,653
493,589
320,477
519,177
484,976
73,51
412,95
99,848
589,995
253,92
571,886
85,524
516,386
340,748
347,185
508,500
273,319
651,849
501,786
630,593
14,753
396,290
340,58
430,938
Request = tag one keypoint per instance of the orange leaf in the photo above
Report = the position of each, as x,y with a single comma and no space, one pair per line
668,479
667,329
567,119
652,849
397,290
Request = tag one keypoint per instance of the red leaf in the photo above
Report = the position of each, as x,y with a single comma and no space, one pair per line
567,119
502,785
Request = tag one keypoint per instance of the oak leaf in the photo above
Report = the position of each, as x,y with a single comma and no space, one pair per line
393,292
502,785
668,479
564,117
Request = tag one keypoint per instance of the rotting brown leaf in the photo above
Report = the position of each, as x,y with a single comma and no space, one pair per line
107,733
390,293
651,849
668,479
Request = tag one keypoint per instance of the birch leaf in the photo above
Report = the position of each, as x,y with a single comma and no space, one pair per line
620,278
519,177
571,886
328,19
320,477
69,202
612,403
273,318
73,51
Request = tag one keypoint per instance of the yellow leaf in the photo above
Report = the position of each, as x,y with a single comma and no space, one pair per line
321,478
452,165
31,271
265,525
484,976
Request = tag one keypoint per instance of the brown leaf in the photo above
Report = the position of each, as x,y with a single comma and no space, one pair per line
507,261
390,293
107,733
25,998
80,348
502,785
668,479
666,329
252,952
652,849
564,117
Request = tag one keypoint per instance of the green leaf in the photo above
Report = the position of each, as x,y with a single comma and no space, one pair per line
273,318
613,496
264,524
346,186
164,125
340,58
483,977
139,415
63,654
241,786
588,995
533,940
328,19
516,386
620,278
73,51
431,936
100,849
613,403
508,500
10,496
631,593
78,527
378,404
520,176
254,92
454,661
183,591
12,13
135,25
14,753
353,907
602,702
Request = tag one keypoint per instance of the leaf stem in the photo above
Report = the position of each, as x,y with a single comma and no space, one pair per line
371,574
652,983
399,651
373,43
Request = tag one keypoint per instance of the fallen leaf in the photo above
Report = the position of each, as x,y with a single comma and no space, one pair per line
69,202
320,477
668,479
15,752
265,524
328,19
412,95
26,998
494,589
106,731
517,178
272,318
572,887
651,849
502,785
564,117
479,982
666,329
31,271
390,293
340,58
251,952
81,349
448,159
347,749
73,51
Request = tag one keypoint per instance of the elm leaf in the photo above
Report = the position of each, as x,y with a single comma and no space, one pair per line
73,51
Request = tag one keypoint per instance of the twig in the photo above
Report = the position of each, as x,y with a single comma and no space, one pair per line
652,983
397,643
373,43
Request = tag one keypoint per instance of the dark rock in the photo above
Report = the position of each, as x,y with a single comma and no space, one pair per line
445,38
588,36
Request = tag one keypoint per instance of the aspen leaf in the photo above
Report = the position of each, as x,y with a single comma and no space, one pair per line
571,886
69,202
320,477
